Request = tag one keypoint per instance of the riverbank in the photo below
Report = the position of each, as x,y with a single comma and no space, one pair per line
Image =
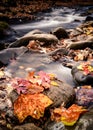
25,12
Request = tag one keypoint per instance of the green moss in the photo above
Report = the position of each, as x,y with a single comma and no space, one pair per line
3,25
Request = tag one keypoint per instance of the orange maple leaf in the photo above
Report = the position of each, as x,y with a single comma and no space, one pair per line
67,116
31,105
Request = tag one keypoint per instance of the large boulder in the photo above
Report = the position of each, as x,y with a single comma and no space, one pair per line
45,38
63,94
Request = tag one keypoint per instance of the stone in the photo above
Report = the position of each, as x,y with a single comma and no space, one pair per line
81,44
61,95
27,126
23,41
79,76
52,125
5,30
60,33
9,54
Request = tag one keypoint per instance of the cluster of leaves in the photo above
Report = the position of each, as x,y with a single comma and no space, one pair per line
67,116
34,83
31,101
86,67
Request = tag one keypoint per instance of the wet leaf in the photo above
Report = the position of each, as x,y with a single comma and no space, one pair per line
68,116
86,68
54,83
1,73
31,105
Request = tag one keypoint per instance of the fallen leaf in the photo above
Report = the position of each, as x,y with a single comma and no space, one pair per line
86,68
31,105
54,83
68,116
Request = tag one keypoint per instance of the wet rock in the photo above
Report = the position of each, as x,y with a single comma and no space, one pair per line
54,126
5,30
79,76
85,122
81,44
45,38
84,97
13,96
89,18
60,33
28,126
9,54
36,31
61,95
75,32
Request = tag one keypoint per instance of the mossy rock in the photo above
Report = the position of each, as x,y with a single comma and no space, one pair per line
5,30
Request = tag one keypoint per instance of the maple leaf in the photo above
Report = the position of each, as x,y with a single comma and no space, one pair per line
31,105
67,116
20,85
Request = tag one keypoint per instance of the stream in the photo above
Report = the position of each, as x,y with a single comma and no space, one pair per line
63,16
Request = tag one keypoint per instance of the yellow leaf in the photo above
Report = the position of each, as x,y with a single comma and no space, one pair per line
80,67
52,76
1,74
54,83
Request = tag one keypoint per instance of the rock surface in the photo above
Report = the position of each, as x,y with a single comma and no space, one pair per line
45,38
60,32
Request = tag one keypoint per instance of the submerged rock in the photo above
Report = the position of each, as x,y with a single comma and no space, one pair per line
9,54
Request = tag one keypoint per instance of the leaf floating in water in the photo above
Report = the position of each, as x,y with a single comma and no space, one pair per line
31,105
68,116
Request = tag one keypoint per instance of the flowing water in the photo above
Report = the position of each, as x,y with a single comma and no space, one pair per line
63,16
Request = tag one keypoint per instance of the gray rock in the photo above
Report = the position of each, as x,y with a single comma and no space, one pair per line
81,44
5,30
85,122
79,76
60,33
23,41
61,95
28,126
54,126
10,54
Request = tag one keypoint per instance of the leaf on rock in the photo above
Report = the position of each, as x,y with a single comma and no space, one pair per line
1,73
86,67
67,116
31,105
54,83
